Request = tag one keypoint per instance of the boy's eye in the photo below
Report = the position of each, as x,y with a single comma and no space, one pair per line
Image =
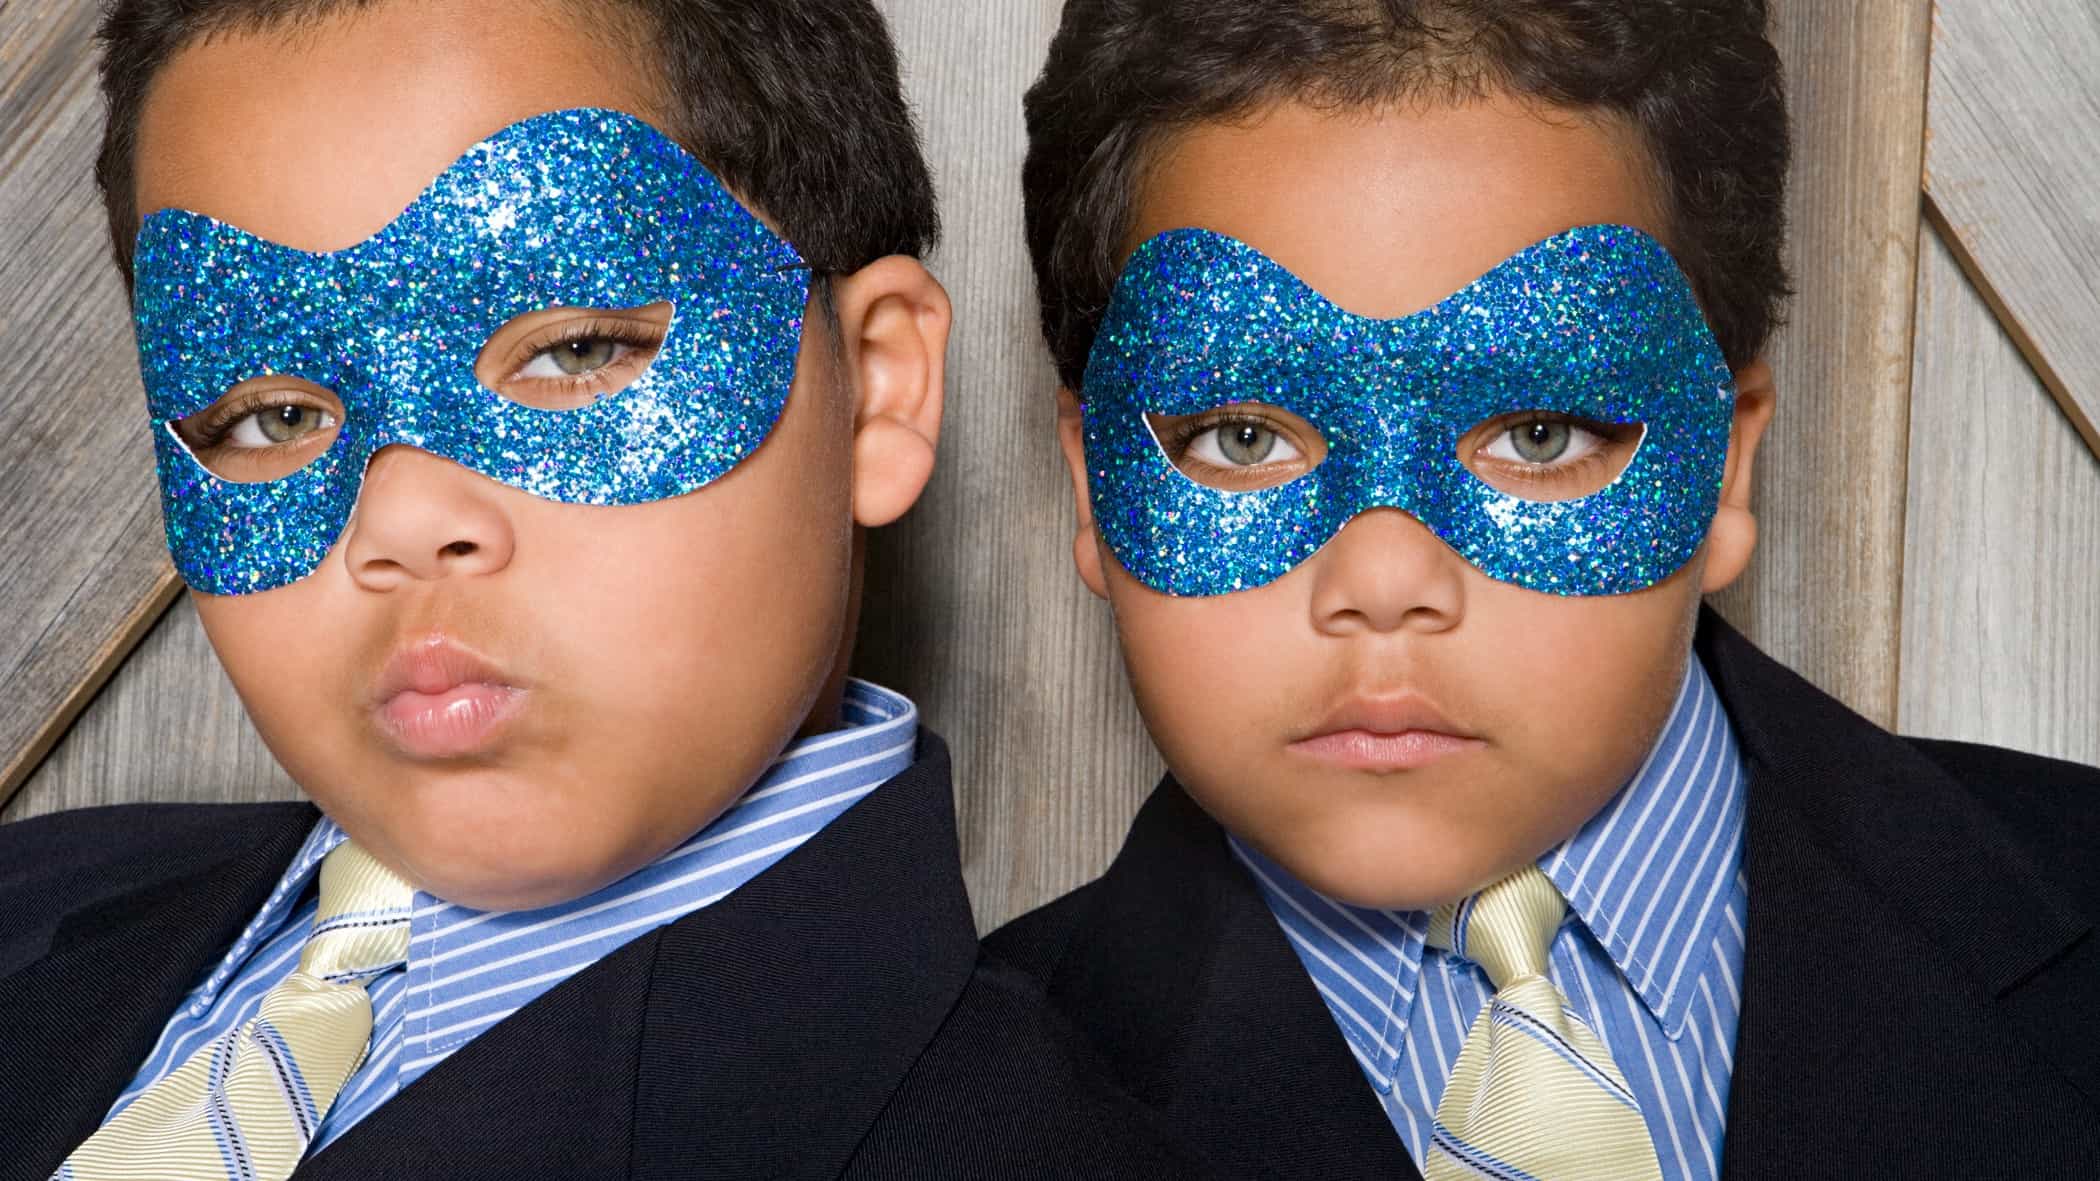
562,358
1542,456
1543,441
1239,448
574,358
1241,444
279,424
263,429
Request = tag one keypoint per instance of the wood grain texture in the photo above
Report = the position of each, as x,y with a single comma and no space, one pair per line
2001,628
973,606
2012,168
1824,593
168,727
82,571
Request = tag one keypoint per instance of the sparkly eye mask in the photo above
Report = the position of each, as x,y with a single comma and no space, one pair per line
580,208
1596,323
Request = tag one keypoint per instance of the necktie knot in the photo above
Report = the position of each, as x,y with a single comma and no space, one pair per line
362,922
1506,928
1534,1093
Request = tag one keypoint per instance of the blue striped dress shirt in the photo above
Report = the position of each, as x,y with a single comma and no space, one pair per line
1650,955
469,969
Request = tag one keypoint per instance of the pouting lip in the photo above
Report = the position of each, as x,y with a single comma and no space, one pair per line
1385,713
433,664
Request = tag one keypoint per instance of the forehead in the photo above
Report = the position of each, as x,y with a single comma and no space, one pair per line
1386,211
317,135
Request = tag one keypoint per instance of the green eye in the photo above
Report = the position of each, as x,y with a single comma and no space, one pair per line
578,357
1245,444
1239,447
283,424
1539,441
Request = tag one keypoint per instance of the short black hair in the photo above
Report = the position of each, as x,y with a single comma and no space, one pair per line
796,107
1696,79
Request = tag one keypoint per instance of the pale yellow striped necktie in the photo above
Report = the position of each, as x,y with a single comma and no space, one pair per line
1535,1094
245,1105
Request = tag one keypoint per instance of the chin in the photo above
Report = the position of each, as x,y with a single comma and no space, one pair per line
547,886
1400,865
525,868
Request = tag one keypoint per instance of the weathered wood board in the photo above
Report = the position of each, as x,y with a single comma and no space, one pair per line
1824,593
2012,167
168,728
2001,623
82,572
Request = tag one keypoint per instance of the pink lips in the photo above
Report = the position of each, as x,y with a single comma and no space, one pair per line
1403,733
437,700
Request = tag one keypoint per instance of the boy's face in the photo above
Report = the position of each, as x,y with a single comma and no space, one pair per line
1386,721
510,699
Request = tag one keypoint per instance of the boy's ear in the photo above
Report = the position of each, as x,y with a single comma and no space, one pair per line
893,321
1733,537
1086,548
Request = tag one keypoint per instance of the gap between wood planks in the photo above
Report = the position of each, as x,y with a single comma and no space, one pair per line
108,658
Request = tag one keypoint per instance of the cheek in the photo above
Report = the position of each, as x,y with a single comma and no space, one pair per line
291,656
1211,674
726,590
1582,684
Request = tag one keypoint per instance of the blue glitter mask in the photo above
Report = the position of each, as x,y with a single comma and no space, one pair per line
1596,323
580,208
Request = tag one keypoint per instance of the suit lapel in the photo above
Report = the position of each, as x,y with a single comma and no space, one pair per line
84,1016
781,1027
547,1092
1181,977
759,1037
1897,943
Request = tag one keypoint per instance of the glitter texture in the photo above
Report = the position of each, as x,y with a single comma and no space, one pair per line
578,208
1597,323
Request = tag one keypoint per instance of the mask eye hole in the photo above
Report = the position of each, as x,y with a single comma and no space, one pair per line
1540,455
263,429
1242,447
564,358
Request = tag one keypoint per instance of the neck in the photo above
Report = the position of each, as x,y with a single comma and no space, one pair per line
824,712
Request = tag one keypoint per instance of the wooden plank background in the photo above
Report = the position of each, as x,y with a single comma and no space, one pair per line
2012,177
82,572
1824,592
972,605
2001,624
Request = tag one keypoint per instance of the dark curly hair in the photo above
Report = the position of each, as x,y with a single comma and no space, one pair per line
796,107
1697,79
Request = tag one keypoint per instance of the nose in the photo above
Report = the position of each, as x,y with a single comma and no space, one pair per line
420,518
1384,572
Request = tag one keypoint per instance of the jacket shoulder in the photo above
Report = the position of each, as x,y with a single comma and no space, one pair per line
2050,806
54,864
1008,1089
1033,943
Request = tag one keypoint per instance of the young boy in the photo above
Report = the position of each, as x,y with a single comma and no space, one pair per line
1413,387
521,376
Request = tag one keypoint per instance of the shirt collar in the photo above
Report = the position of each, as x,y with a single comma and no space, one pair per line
877,735
1649,875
